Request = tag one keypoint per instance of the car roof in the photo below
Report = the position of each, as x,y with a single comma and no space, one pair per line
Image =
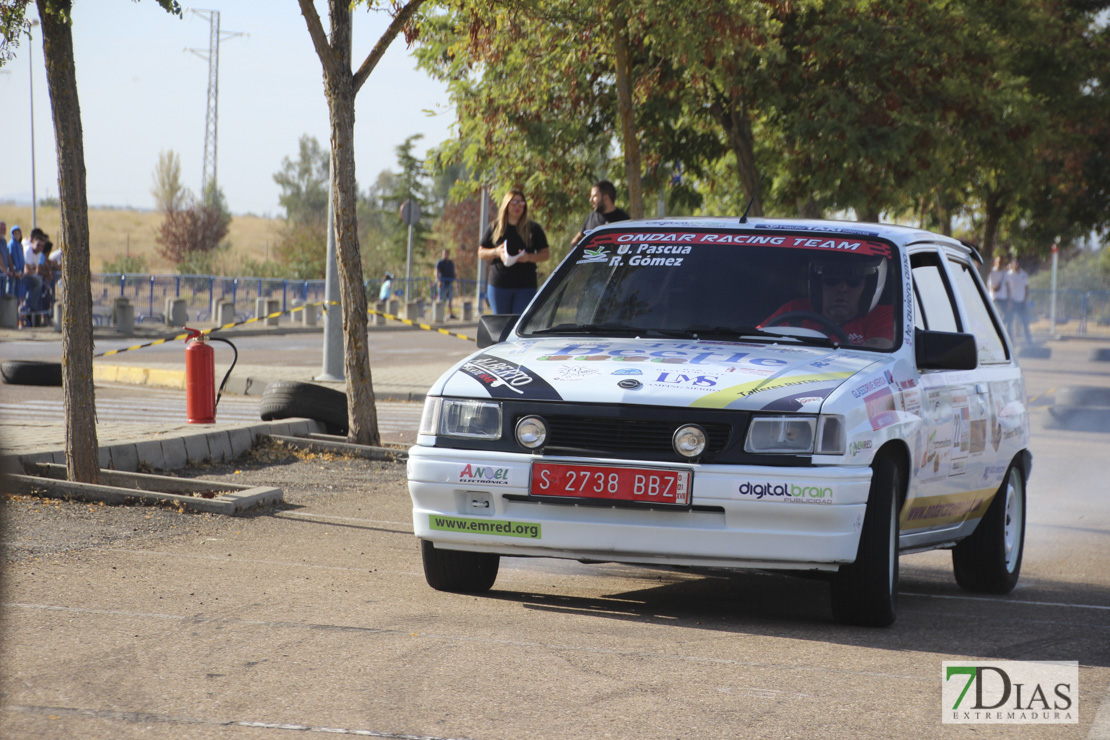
899,235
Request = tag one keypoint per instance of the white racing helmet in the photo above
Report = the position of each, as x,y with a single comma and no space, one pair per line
872,269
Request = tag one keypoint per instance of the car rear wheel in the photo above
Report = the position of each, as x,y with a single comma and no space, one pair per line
989,560
457,571
865,592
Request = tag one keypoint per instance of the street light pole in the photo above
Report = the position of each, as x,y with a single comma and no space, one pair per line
31,77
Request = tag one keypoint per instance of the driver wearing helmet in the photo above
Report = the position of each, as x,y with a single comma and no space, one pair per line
845,293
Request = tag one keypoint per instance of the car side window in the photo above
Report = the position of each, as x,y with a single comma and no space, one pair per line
934,299
978,318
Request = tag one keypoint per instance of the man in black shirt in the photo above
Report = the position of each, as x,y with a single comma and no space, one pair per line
445,280
605,211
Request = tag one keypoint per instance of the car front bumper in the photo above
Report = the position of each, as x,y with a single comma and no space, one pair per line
723,528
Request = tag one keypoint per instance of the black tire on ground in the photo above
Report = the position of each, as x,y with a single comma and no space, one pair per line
865,592
1082,396
458,572
288,399
1100,354
989,560
1036,351
31,372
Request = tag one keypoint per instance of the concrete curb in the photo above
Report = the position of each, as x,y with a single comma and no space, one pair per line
124,488
331,443
174,453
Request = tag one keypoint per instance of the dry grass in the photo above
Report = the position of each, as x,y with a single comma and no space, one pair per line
113,233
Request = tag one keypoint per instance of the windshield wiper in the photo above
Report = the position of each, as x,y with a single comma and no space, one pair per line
607,329
736,332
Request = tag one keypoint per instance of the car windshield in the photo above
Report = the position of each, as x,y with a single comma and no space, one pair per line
821,289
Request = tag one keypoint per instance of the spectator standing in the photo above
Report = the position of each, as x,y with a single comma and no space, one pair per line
386,289
445,280
996,285
1017,286
513,245
7,269
603,198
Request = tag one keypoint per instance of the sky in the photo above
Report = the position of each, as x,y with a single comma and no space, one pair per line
141,93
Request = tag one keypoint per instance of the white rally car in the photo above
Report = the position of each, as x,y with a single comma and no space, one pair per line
774,394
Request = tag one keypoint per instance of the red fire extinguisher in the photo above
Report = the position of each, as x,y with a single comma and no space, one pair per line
200,379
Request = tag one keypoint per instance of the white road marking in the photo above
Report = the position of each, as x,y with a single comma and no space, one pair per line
1006,601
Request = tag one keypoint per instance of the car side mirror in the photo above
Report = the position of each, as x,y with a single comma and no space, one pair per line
944,350
494,329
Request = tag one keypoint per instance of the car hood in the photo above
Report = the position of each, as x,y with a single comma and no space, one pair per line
656,373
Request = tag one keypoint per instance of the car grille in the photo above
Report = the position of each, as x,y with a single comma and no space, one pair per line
578,434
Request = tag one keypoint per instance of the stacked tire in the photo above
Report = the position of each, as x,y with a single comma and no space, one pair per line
288,399
31,372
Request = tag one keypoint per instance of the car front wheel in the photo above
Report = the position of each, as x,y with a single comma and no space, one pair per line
457,571
865,592
989,560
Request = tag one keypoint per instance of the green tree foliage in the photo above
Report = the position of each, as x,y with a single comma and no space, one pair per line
989,117
304,183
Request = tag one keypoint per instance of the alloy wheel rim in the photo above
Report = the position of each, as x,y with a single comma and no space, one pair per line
1011,522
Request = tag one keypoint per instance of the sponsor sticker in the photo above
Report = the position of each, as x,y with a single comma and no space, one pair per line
491,475
1009,692
504,379
858,446
501,528
791,492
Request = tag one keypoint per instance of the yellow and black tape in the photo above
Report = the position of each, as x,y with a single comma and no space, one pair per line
276,314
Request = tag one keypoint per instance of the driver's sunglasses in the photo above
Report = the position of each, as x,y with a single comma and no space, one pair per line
851,282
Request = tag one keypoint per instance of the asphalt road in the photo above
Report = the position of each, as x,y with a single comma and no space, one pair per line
387,348
315,618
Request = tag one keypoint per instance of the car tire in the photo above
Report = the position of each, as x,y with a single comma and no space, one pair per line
988,561
1100,354
458,572
287,399
865,592
31,372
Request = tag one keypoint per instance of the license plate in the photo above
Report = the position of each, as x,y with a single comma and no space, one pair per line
647,485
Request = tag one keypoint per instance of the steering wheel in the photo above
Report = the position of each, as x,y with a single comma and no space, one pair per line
830,328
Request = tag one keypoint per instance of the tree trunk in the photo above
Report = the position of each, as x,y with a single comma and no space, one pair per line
732,117
630,143
994,207
339,85
82,450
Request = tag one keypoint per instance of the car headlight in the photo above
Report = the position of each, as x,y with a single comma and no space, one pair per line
782,434
531,432
456,417
460,417
689,441
796,435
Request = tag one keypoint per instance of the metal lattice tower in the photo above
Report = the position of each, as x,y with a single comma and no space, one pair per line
211,118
